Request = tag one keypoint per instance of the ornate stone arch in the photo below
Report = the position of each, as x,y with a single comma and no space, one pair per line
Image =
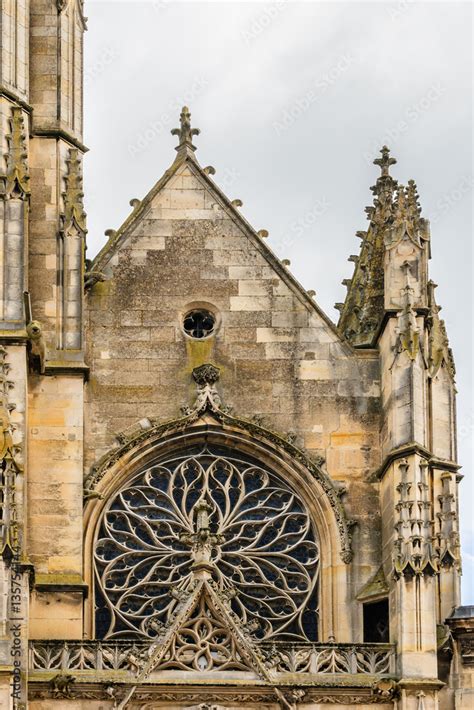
272,457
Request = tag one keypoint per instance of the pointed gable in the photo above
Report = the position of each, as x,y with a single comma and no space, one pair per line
186,246
186,192
205,638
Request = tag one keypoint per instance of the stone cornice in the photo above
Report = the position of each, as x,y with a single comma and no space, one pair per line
11,96
10,337
59,133
407,450
61,583
66,367
420,683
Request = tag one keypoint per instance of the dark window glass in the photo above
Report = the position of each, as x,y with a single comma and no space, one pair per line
263,551
199,324
376,626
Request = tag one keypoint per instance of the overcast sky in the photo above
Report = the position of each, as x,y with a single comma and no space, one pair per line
294,100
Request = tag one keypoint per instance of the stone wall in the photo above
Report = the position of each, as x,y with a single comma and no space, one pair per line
279,358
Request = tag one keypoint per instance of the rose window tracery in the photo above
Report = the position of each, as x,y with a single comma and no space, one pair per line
215,508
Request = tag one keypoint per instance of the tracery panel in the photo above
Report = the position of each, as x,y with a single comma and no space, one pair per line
261,545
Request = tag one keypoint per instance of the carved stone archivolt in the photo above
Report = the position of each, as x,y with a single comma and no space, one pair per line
208,403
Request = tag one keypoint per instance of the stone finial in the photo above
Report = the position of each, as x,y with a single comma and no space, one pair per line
185,132
438,343
385,161
400,203
73,195
17,180
408,330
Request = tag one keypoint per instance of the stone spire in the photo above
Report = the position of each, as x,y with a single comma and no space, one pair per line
362,311
377,282
383,190
185,133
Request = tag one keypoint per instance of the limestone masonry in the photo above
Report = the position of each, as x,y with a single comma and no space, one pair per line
212,497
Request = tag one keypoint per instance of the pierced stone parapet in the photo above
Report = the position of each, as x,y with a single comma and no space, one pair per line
302,658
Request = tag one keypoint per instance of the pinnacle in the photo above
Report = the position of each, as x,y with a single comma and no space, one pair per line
413,198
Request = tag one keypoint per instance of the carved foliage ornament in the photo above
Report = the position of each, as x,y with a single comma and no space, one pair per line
16,181
207,504
208,401
419,549
73,216
407,329
199,700
185,132
439,351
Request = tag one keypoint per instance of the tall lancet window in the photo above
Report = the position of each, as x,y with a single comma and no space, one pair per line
210,508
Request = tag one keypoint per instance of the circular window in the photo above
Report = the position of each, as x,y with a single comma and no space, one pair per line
199,323
261,546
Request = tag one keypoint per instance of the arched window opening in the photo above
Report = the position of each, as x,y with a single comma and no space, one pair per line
214,507
376,622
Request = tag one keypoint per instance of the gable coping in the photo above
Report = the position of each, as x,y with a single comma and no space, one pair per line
109,249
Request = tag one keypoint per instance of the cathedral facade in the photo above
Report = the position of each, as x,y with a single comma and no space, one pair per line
212,496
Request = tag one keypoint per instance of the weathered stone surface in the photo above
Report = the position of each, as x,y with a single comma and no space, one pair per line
356,424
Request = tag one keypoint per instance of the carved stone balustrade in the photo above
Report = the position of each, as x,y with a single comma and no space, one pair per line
305,659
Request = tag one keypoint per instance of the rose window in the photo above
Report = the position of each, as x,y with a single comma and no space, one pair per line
259,541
